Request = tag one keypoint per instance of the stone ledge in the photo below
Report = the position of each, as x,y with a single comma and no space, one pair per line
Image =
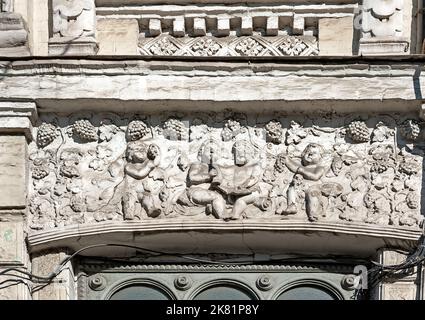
64,85
388,46
214,66
72,47
105,7
17,117
218,236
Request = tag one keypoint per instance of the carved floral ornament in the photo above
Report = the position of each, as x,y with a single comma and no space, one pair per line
167,45
229,166
73,18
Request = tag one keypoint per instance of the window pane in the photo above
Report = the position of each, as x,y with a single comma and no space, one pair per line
140,292
307,293
224,293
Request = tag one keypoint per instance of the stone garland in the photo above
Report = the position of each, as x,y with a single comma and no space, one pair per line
229,166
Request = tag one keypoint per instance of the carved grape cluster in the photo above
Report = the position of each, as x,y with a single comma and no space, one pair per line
412,200
279,165
40,172
409,167
77,204
175,129
46,134
410,130
358,131
274,131
85,130
231,129
379,167
69,170
137,130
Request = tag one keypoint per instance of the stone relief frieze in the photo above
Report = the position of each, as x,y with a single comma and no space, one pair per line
89,168
167,45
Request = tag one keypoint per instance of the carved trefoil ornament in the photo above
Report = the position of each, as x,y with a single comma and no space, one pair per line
382,28
74,25
225,166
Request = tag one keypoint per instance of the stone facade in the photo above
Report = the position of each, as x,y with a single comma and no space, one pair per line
214,132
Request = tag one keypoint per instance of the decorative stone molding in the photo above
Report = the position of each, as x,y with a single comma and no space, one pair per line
240,237
382,23
199,85
230,46
265,30
182,282
13,35
18,117
95,267
256,34
74,25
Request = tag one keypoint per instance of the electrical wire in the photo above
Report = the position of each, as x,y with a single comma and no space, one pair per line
381,272
49,278
376,274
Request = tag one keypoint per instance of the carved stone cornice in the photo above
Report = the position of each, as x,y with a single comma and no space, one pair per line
133,3
223,30
377,83
18,117
240,236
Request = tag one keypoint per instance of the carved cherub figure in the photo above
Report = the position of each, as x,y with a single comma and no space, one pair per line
310,167
199,181
142,162
241,180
